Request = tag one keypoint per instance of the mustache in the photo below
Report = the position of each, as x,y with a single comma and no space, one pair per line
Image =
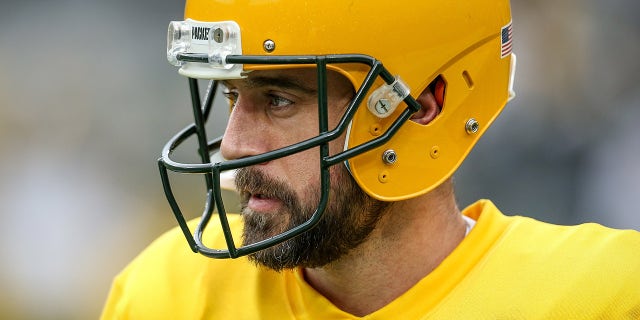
251,181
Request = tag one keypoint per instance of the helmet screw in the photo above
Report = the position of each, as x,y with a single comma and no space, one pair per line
389,157
472,126
382,106
269,45
218,35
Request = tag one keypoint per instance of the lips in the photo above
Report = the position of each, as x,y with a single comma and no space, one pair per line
261,202
260,193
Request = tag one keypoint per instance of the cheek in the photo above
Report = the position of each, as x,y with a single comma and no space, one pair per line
301,171
305,168
337,109
336,146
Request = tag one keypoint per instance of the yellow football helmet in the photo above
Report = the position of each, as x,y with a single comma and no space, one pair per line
390,52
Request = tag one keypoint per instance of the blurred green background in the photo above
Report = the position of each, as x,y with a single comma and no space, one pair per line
87,100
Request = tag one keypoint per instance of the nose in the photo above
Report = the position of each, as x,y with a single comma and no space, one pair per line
245,134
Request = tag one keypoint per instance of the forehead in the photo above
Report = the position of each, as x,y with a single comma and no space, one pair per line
299,79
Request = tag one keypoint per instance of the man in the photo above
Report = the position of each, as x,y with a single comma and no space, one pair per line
347,122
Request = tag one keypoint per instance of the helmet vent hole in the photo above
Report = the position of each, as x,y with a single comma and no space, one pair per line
375,129
435,152
467,79
383,176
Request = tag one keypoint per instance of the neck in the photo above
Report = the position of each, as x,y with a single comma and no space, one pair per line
410,241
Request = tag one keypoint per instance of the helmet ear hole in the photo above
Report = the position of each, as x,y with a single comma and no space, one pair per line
438,87
430,107
432,101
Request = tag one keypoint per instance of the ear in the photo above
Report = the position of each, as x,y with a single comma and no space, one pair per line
431,105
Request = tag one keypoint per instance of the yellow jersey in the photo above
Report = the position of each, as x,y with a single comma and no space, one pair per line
506,268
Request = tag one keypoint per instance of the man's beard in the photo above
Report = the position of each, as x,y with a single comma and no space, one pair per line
349,218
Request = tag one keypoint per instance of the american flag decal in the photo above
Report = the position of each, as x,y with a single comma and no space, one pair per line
506,40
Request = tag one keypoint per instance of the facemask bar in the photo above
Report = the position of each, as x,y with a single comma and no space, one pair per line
212,170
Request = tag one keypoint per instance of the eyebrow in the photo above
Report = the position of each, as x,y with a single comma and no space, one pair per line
277,81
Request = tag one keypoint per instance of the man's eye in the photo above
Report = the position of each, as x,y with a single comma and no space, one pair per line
231,96
278,101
